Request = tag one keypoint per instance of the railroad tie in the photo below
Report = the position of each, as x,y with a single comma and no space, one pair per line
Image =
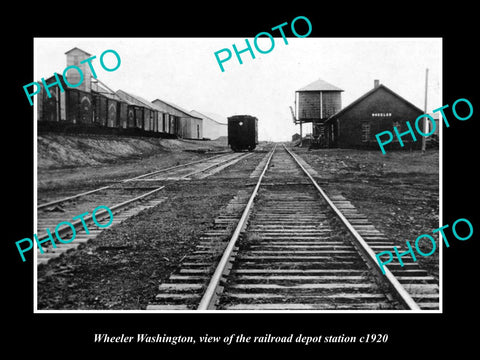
422,287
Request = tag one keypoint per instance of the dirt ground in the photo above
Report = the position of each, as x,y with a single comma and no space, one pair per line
123,267
70,164
398,192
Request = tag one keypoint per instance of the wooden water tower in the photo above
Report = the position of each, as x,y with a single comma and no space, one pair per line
315,103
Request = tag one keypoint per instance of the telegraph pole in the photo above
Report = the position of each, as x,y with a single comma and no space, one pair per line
425,131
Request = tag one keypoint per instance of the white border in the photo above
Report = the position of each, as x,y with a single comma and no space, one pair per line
221,312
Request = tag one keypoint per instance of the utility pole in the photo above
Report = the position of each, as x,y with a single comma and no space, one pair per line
425,131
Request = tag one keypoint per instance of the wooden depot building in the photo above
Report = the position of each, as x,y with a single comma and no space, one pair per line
380,109
356,125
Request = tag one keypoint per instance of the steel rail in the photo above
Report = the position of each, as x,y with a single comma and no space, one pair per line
77,224
215,165
399,291
171,168
186,176
68,198
41,206
209,297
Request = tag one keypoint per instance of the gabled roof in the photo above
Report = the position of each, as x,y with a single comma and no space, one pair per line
96,87
121,95
199,114
178,108
320,85
143,101
76,48
135,99
367,94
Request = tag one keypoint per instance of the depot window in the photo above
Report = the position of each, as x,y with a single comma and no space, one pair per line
365,132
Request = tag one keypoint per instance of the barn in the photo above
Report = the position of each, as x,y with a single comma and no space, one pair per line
380,109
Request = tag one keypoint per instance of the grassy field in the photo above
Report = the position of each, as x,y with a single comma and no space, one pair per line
398,192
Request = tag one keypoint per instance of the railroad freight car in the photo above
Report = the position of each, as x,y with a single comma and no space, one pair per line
242,132
93,107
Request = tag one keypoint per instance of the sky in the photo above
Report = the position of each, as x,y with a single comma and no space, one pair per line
185,71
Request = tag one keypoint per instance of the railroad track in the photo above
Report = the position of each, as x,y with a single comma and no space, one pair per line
125,199
177,172
287,246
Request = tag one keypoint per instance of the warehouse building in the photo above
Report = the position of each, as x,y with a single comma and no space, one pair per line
212,129
92,106
184,124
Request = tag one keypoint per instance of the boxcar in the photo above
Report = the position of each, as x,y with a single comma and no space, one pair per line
242,132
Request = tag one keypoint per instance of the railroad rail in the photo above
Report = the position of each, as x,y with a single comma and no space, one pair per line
123,201
172,170
292,248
